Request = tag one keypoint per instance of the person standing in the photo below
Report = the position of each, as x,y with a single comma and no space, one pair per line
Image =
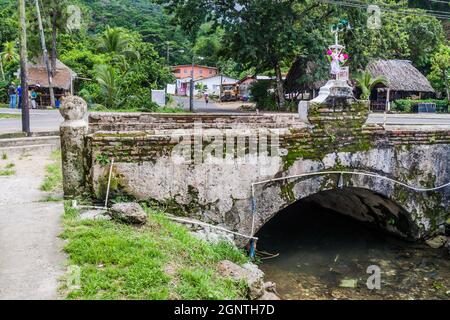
12,95
19,95
206,99
33,96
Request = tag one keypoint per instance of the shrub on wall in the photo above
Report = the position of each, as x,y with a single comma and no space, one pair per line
408,105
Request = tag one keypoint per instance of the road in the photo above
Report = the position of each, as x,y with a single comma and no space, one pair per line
49,120
40,120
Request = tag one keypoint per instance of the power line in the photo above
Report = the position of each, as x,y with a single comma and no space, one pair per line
440,1
432,12
360,5
365,6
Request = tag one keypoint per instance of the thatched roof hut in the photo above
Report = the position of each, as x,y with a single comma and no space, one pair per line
305,76
401,74
404,81
63,76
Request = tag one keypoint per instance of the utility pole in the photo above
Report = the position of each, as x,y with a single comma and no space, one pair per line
191,88
23,68
45,56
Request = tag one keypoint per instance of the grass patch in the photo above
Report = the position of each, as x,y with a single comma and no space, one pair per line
4,156
159,261
53,178
52,198
8,170
9,116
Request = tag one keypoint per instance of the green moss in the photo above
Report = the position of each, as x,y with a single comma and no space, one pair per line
334,131
287,192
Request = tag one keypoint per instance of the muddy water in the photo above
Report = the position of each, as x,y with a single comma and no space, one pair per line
324,255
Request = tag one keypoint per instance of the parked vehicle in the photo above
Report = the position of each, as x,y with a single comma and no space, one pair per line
229,92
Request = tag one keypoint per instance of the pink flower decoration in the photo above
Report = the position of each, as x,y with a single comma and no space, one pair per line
345,56
329,52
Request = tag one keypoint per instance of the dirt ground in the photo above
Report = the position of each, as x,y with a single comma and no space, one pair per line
31,260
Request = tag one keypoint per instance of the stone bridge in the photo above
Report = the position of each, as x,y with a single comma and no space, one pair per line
239,171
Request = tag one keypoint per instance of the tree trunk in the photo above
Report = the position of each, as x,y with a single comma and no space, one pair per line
280,88
54,54
1,69
446,85
23,68
45,56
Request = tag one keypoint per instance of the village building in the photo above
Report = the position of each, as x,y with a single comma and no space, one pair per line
404,82
212,85
184,71
62,81
183,75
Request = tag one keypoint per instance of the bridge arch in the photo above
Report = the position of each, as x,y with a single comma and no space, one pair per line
365,196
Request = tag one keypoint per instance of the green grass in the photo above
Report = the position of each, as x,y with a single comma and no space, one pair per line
9,116
4,106
159,261
7,170
53,177
4,156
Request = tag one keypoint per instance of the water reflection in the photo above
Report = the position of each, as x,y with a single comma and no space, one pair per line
325,255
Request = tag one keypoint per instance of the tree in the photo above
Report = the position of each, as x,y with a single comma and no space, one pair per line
45,55
8,55
366,83
260,34
56,11
117,42
440,70
109,83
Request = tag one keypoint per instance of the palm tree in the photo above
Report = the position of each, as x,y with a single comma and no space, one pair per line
9,52
115,41
108,80
366,83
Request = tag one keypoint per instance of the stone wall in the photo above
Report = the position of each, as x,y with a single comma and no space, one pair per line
221,193
168,121
204,166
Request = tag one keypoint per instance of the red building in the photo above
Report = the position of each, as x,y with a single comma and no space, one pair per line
184,71
183,75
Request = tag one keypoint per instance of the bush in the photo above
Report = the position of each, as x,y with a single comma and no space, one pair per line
408,105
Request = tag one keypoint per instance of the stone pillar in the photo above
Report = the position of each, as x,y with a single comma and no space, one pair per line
73,147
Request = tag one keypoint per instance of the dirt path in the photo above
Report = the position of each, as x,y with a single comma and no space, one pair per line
31,260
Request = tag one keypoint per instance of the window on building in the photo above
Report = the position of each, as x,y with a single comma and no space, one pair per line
200,71
210,71
185,71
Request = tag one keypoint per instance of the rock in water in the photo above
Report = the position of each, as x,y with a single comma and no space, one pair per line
130,212
436,242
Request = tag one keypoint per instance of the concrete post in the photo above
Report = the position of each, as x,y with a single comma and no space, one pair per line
73,132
